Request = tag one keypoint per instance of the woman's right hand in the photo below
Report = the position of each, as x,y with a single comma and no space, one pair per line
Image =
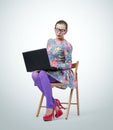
54,63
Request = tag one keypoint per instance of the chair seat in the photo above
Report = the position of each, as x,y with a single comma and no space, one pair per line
58,85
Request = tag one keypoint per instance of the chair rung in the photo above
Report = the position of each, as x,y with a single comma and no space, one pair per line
43,106
68,103
62,103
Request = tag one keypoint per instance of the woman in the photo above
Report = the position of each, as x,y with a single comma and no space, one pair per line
60,56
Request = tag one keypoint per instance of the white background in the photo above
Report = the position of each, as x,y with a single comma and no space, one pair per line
27,25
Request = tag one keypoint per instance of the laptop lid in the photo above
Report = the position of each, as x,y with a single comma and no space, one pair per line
37,60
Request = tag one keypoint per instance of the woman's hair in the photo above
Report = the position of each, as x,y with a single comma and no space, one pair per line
62,22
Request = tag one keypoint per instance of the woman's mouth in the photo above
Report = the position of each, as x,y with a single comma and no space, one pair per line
58,35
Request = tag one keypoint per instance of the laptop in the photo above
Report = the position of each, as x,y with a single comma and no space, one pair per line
37,60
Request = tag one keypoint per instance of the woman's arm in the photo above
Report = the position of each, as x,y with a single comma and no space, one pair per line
68,58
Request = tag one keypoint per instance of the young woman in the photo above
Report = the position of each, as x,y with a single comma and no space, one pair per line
60,56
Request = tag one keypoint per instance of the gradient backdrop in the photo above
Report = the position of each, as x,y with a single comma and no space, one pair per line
27,25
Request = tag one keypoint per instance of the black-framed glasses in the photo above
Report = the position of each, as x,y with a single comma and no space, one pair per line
60,30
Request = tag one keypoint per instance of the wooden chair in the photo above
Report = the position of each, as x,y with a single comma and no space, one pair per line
69,103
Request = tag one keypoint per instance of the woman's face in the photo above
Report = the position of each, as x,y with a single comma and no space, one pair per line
60,31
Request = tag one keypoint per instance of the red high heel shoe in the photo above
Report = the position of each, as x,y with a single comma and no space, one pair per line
49,117
59,111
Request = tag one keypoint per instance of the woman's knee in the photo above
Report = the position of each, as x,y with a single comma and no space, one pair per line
42,73
35,75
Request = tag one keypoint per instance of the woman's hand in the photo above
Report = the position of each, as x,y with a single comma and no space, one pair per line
54,63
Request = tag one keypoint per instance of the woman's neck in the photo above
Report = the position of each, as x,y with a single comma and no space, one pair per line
59,41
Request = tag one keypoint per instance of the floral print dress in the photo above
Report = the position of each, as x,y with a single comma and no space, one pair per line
62,56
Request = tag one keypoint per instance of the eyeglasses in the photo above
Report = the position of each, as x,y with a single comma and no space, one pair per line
60,30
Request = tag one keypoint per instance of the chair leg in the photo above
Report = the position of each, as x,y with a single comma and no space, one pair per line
69,104
40,104
77,98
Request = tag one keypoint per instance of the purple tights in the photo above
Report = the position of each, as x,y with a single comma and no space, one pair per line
42,81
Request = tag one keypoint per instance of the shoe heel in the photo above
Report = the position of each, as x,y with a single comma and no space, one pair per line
58,113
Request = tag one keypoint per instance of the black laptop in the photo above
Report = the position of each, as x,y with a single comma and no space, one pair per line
37,60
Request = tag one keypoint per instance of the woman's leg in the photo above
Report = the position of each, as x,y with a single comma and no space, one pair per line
42,80
45,82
